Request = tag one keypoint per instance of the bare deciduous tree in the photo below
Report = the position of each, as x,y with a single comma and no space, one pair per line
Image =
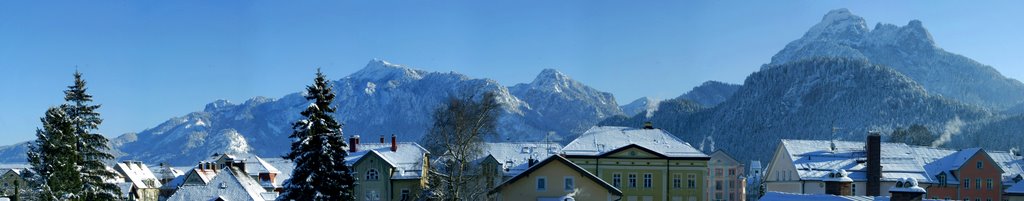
459,129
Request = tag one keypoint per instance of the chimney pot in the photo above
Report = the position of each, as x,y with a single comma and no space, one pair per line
394,144
353,146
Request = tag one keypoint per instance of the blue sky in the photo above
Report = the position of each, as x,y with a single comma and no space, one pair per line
148,61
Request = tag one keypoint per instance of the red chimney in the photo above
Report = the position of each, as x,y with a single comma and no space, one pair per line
394,145
353,143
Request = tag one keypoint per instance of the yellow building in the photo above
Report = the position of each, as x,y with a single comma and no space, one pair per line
646,164
555,178
388,171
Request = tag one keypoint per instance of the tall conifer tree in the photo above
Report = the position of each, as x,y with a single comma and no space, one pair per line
54,157
92,146
318,151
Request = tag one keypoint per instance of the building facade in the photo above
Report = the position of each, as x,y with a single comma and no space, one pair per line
645,164
726,180
555,178
388,171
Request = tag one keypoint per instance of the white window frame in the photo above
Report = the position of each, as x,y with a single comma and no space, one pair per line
372,175
617,180
632,180
648,180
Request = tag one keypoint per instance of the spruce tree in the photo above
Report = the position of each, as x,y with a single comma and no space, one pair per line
318,151
92,146
54,157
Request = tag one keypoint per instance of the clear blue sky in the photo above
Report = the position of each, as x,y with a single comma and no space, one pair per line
147,61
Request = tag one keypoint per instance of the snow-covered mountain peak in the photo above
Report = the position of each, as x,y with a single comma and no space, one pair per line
218,105
838,24
549,76
380,70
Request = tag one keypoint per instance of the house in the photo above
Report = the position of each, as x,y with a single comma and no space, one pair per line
388,171
644,163
799,166
725,180
167,173
966,174
839,189
256,168
501,161
139,183
555,178
229,183
14,180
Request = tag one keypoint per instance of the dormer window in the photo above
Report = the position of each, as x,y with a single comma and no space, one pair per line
942,178
372,175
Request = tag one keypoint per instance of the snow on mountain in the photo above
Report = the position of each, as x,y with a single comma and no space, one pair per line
804,100
711,93
908,49
563,105
643,105
379,100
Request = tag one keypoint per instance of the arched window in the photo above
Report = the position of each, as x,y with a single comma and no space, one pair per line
372,175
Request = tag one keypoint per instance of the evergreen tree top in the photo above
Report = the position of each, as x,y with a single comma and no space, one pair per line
76,93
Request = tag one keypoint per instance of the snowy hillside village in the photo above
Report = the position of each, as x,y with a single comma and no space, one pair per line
846,113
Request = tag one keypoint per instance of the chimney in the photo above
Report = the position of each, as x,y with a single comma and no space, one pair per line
874,169
530,162
906,189
838,183
394,144
382,139
648,125
353,144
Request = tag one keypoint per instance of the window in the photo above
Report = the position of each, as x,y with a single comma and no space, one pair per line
570,184
718,185
967,183
542,184
988,184
942,179
977,184
732,172
648,180
617,180
732,184
691,181
372,175
632,180
980,165
718,172
677,181
405,194
854,189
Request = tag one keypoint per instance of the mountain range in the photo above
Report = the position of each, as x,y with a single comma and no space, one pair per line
839,81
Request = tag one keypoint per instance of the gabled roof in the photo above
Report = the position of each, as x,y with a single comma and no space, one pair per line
229,184
518,153
564,161
138,174
779,196
407,160
722,155
813,160
600,140
1015,189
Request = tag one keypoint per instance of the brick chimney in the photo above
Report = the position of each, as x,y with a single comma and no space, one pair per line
838,183
907,190
382,139
394,143
874,166
353,143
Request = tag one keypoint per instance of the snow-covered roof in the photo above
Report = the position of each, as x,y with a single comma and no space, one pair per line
780,196
137,173
558,158
1016,188
126,188
755,164
229,184
814,159
600,140
168,172
254,165
514,156
407,159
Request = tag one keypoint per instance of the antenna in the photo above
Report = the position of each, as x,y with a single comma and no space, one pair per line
832,140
